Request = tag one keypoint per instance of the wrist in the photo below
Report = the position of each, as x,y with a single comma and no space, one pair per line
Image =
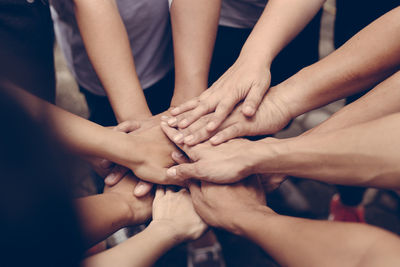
240,222
123,149
268,155
252,53
166,231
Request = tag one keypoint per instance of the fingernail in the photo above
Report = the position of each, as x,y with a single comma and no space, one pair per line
164,123
177,154
214,139
248,110
178,137
110,178
139,189
171,172
175,110
211,126
183,123
172,121
188,138
164,117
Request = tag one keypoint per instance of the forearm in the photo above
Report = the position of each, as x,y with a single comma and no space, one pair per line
194,27
280,22
78,134
300,242
101,215
366,59
109,50
379,102
142,249
365,154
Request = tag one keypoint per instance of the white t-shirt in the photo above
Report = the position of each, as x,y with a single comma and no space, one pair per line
149,31
240,13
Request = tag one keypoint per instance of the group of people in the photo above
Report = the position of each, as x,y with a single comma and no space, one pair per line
173,88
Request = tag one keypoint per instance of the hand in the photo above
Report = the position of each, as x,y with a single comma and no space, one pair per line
104,167
271,182
221,205
245,79
154,149
225,163
175,210
272,115
140,208
117,172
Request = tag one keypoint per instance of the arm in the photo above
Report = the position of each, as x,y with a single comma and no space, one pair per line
366,59
107,44
174,221
249,77
101,215
379,102
293,241
366,154
146,153
194,27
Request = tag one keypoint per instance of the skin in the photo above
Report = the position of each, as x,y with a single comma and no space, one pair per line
146,153
174,221
194,28
249,78
103,214
365,60
293,241
365,154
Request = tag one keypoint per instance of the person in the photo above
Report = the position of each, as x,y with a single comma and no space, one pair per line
347,204
240,208
40,218
27,29
250,63
371,61
129,60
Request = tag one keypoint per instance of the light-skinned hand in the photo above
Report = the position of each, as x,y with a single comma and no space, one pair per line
219,205
175,210
246,80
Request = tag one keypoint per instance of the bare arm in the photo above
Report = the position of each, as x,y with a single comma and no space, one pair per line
366,59
103,214
174,221
249,77
194,27
107,44
294,242
300,242
383,100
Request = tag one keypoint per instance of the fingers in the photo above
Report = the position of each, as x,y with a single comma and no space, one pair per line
179,158
173,134
184,171
116,174
142,188
127,126
253,99
224,108
191,116
189,105
229,133
160,193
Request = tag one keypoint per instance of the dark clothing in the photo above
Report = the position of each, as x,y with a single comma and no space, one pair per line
301,52
26,46
158,98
